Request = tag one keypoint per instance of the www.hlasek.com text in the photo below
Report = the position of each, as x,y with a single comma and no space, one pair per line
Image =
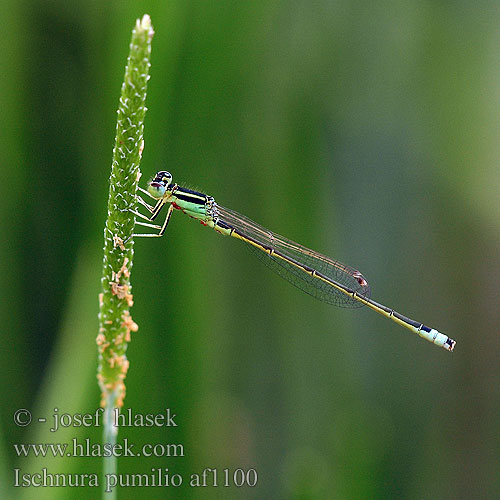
87,448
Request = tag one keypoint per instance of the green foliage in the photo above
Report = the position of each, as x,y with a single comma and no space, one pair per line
115,322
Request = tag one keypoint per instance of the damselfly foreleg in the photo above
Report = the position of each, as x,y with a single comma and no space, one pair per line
162,228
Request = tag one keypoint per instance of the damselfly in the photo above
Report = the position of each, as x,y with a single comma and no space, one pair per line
318,275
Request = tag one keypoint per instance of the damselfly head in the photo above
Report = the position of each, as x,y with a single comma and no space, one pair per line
159,185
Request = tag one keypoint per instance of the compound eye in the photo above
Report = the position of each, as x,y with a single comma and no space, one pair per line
159,186
163,176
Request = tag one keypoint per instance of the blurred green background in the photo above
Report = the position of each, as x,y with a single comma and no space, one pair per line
367,131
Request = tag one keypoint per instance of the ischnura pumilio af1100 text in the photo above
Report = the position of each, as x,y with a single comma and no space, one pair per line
318,275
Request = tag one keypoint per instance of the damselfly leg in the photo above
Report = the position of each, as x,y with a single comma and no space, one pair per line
154,213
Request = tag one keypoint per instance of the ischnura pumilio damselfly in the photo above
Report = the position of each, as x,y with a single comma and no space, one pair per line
318,275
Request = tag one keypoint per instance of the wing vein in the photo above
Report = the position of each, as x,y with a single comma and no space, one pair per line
335,271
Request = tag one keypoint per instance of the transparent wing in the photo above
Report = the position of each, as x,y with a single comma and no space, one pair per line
346,276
